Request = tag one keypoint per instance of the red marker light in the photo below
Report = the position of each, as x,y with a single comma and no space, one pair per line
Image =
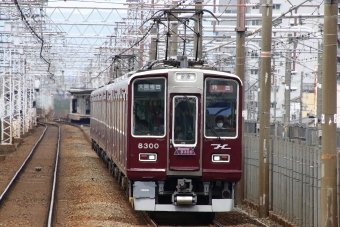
224,158
144,157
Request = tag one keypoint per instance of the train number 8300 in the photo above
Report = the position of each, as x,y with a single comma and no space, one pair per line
148,145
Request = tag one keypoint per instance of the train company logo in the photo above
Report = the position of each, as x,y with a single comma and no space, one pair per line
185,151
220,146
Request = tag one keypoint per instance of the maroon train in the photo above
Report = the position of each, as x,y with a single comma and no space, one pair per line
172,137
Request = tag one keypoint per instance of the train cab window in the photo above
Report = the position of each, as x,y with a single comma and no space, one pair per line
220,108
148,107
184,120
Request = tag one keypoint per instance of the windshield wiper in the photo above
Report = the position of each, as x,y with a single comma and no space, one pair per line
213,131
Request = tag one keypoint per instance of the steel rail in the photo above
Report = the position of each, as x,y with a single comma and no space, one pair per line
22,166
50,213
255,218
148,220
51,208
217,223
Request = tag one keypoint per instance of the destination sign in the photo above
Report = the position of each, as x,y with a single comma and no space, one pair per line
149,87
221,88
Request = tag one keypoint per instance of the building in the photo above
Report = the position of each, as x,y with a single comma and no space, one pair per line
80,105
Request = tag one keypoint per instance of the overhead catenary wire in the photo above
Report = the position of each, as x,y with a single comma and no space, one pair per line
24,19
135,44
161,13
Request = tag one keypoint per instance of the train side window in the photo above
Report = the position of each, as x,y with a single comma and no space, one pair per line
148,107
220,107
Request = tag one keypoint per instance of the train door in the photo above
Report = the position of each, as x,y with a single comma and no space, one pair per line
184,152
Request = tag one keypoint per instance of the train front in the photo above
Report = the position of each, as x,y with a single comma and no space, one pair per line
184,152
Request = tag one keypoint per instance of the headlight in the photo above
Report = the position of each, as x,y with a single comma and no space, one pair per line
185,77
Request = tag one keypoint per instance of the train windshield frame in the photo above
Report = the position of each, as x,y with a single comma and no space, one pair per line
221,105
148,107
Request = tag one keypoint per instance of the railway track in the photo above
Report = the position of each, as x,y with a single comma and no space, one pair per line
28,199
168,219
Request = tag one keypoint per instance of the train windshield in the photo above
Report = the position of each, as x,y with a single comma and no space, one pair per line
220,108
148,107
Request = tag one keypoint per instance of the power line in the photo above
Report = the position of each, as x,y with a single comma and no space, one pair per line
36,35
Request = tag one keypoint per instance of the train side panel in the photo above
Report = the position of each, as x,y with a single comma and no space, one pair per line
102,140
95,106
108,131
109,123
101,118
116,124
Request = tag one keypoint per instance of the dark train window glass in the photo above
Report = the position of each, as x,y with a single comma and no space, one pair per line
220,108
148,107
184,122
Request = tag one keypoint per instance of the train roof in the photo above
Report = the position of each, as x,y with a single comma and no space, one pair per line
165,70
130,75
81,91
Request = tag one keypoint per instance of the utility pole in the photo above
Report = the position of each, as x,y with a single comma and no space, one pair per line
110,54
288,75
153,49
154,39
301,86
265,90
319,83
329,118
240,59
198,30
174,35
141,46
259,92
275,85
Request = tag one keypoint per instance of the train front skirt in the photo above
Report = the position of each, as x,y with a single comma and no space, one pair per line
144,200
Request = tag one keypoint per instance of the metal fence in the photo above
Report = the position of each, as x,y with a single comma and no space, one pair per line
310,135
294,172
